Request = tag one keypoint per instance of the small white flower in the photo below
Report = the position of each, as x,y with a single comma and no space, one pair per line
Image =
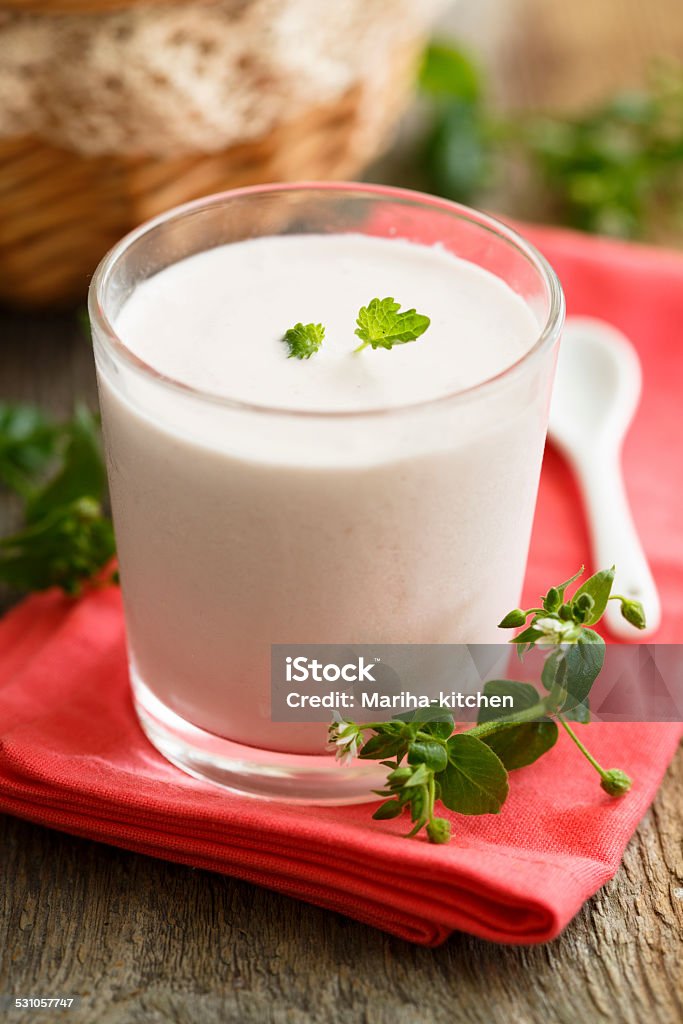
555,631
343,740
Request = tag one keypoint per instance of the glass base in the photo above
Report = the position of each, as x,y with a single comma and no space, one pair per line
269,775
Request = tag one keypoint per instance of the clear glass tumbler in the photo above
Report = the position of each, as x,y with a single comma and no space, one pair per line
213,568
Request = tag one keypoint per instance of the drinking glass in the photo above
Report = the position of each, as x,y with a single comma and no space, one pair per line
405,524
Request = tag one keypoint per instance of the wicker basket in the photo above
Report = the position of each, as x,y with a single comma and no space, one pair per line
60,210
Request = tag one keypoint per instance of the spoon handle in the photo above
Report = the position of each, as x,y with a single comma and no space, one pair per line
615,542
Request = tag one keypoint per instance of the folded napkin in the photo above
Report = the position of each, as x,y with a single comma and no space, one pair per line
72,755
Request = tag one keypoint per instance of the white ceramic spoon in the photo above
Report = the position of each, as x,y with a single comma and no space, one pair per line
596,393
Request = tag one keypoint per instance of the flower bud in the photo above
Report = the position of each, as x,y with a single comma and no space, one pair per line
552,600
439,830
513,619
615,782
565,612
633,612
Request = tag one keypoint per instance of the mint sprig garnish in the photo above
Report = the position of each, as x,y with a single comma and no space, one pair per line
57,470
304,340
381,325
467,771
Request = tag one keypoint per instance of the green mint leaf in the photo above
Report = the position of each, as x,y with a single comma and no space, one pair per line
304,340
381,325
433,754
82,474
598,587
28,442
65,548
390,809
475,781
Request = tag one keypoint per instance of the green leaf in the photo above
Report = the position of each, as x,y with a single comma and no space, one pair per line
304,340
28,442
82,474
389,809
441,726
433,754
599,588
418,803
448,72
567,583
517,745
554,668
383,745
65,548
584,663
381,325
523,695
475,781
579,713
433,720
457,151
420,777
521,745
527,636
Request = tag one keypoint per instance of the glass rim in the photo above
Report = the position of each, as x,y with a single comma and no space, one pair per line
546,338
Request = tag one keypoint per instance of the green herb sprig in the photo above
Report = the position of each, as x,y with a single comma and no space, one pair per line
58,471
380,324
467,771
616,169
304,340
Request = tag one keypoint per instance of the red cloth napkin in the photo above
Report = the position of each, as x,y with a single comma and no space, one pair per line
73,757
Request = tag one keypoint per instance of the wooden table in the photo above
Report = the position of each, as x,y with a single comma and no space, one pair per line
145,941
